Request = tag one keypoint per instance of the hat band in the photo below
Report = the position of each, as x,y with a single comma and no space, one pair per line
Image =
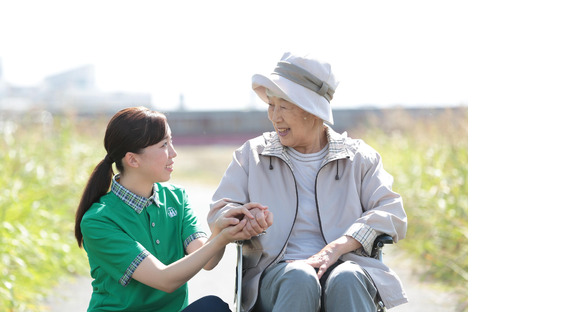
304,78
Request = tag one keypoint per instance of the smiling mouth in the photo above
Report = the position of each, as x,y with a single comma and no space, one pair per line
283,131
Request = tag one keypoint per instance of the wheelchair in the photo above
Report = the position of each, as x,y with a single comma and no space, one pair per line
380,241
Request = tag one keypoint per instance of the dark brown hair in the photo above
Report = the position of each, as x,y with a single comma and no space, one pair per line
130,130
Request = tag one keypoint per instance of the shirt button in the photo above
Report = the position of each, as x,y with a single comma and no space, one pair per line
153,224
157,241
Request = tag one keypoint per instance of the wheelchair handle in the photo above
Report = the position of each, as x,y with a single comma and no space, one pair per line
383,239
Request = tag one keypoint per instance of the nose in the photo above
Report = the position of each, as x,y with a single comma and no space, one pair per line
172,151
275,115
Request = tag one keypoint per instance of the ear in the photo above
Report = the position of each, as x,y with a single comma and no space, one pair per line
131,160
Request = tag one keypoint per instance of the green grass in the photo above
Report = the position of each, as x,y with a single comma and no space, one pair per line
428,159
44,166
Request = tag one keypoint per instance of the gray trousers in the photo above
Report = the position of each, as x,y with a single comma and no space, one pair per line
295,286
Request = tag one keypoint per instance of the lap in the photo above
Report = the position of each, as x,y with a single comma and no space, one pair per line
290,271
345,286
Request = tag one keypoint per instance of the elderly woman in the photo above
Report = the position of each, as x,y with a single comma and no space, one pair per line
328,198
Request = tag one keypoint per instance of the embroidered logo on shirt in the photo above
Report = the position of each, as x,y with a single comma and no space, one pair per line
171,212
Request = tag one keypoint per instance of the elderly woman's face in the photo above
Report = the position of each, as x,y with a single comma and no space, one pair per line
295,127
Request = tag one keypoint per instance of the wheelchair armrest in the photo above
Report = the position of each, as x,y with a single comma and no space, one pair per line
380,241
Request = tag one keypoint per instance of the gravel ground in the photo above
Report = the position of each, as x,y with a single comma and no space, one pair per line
75,294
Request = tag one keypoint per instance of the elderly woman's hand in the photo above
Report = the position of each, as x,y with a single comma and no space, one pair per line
260,221
331,253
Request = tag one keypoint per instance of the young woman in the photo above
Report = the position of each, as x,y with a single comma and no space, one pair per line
141,236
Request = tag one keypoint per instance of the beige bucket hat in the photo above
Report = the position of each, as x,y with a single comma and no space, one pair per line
302,80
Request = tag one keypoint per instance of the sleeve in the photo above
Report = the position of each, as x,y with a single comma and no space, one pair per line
233,188
111,249
365,235
191,229
383,208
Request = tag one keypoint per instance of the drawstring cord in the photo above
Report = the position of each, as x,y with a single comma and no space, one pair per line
337,177
271,163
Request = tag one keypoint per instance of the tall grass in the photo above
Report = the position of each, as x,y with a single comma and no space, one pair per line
428,159
44,165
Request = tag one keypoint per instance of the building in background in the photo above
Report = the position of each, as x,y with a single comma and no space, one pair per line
69,91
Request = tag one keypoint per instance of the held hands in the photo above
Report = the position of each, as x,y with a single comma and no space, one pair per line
243,222
231,224
261,219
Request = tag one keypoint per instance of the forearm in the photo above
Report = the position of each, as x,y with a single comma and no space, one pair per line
216,258
168,278
344,245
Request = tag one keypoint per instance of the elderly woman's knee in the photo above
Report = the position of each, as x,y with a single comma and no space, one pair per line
345,275
302,274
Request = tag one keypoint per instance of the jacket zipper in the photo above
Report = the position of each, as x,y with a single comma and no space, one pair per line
287,238
379,300
316,200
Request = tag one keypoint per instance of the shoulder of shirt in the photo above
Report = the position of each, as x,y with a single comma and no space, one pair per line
102,208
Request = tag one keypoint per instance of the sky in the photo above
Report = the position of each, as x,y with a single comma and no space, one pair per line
384,53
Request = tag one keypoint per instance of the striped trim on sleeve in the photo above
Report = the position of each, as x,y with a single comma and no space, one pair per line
126,278
193,237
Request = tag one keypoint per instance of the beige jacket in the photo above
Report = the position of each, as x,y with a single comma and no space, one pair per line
352,191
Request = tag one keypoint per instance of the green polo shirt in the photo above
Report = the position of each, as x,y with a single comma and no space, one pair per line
121,230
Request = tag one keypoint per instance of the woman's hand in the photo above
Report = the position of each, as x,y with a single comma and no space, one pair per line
235,233
231,217
331,253
262,219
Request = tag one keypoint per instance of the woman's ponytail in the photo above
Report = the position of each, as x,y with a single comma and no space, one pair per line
97,186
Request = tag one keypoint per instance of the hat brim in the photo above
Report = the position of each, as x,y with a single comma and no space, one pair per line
304,98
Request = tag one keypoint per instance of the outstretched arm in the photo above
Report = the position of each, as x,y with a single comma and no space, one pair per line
168,278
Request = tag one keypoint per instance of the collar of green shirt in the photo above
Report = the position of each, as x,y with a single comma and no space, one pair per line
138,203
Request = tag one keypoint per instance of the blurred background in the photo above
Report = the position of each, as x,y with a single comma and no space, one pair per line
67,66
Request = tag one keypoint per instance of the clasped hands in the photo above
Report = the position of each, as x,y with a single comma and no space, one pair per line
244,222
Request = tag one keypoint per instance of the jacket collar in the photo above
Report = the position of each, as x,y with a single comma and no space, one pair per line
337,146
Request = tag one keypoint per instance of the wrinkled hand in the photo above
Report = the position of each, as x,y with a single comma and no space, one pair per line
326,257
261,219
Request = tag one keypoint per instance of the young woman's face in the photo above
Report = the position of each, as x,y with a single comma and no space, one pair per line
295,127
157,159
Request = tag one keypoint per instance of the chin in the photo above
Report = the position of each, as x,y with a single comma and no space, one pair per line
165,179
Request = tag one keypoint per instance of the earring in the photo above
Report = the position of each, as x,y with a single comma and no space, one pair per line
305,118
